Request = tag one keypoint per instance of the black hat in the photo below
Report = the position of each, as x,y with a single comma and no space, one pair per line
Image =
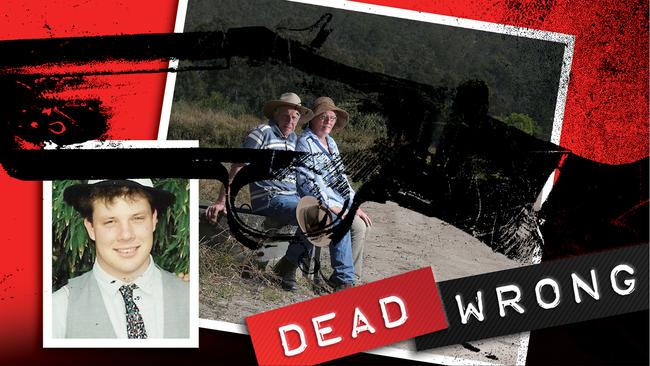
161,198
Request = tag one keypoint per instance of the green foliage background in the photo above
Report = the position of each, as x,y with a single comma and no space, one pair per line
73,253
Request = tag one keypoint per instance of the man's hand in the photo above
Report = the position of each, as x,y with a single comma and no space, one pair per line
364,216
212,212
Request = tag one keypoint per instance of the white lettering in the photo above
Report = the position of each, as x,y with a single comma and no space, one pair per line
321,332
556,292
510,302
471,309
629,282
303,344
579,282
360,318
384,312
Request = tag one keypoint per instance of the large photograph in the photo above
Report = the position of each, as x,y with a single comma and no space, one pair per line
429,144
346,148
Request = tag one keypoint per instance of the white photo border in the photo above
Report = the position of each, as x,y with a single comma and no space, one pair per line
193,341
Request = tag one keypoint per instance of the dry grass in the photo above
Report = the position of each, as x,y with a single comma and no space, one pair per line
351,142
222,129
212,128
209,191
232,286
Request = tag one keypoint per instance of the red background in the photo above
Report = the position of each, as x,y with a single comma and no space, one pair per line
606,118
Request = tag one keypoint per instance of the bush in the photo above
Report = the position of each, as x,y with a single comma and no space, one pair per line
523,122
73,253
373,123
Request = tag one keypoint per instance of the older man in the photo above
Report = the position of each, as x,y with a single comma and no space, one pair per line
274,198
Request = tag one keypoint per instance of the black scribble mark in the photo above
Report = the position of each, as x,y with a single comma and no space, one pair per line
29,115
492,357
439,174
470,347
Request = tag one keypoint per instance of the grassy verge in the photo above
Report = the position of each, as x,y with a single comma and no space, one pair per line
211,127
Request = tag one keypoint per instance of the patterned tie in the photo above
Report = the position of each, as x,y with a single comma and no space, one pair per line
134,322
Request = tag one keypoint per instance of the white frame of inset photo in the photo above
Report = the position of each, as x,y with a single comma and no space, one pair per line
193,341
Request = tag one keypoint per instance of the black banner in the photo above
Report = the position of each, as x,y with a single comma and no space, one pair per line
554,293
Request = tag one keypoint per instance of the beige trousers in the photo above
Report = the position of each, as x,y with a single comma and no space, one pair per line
358,233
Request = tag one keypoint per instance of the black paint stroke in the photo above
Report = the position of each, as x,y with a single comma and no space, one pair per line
437,177
410,170
26,114
595,207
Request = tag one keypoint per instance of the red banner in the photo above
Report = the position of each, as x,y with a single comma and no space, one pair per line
349,321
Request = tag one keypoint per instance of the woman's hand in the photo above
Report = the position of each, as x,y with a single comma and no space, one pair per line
336,211
364,216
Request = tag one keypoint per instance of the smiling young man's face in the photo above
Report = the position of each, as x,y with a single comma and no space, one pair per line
123,233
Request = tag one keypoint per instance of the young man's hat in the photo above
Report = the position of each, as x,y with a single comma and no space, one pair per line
161,198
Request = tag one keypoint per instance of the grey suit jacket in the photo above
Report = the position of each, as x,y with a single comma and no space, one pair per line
87,316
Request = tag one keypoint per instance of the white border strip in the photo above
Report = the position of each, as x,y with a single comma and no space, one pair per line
562,90
170,83
440,19
193,340
223,326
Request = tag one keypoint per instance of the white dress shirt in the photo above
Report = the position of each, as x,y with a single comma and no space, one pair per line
148,297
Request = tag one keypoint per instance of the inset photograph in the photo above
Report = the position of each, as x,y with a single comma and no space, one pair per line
120,264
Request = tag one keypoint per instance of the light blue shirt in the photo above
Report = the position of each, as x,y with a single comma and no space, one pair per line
322,175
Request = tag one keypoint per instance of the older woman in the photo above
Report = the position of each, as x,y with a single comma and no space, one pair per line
324,178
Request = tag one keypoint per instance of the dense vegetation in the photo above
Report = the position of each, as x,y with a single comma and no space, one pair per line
219,106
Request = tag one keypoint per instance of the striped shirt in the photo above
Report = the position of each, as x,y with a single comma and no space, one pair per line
269,136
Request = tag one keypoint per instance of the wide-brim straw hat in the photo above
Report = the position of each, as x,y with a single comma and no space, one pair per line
324,104
289,100
311,218
161,198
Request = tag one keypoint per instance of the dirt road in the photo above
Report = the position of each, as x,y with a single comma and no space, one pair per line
400,240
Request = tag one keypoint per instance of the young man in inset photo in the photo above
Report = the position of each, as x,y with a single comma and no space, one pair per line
125,295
